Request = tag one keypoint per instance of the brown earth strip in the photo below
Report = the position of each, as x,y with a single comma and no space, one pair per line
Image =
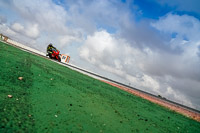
179,109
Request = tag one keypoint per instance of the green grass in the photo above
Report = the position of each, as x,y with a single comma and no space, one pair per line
53,98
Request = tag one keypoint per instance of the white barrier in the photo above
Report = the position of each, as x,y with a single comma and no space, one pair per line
25,47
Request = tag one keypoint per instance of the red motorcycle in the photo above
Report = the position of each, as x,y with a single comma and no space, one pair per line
55,54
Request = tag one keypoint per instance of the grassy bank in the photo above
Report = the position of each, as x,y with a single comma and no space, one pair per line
53,98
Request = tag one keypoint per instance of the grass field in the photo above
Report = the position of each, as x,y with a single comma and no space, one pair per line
53,98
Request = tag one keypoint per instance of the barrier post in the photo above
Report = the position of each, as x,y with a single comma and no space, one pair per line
1,37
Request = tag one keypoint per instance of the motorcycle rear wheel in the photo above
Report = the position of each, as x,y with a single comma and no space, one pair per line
50,56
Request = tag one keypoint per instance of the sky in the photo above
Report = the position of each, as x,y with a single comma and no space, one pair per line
152,45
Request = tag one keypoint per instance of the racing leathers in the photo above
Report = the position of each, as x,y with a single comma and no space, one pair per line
50,50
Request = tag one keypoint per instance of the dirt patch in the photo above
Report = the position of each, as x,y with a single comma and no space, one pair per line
179,109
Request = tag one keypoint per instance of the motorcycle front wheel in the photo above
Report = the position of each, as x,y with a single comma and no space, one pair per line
59,59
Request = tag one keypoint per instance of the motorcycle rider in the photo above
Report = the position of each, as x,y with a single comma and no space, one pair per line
50,47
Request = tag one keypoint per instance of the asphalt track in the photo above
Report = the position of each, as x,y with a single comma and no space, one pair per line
102,78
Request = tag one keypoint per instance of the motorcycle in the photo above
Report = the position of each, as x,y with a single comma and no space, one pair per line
55,54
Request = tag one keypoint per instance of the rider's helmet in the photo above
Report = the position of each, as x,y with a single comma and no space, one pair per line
50,45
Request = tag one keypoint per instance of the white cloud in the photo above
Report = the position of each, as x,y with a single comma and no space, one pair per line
186,26
110,69
117,56
97,46
178,97
49,16
146,82
5,29
17,27
67,39
31,30
92,15
107,48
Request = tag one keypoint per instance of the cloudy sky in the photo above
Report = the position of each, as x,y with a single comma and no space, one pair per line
148,44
